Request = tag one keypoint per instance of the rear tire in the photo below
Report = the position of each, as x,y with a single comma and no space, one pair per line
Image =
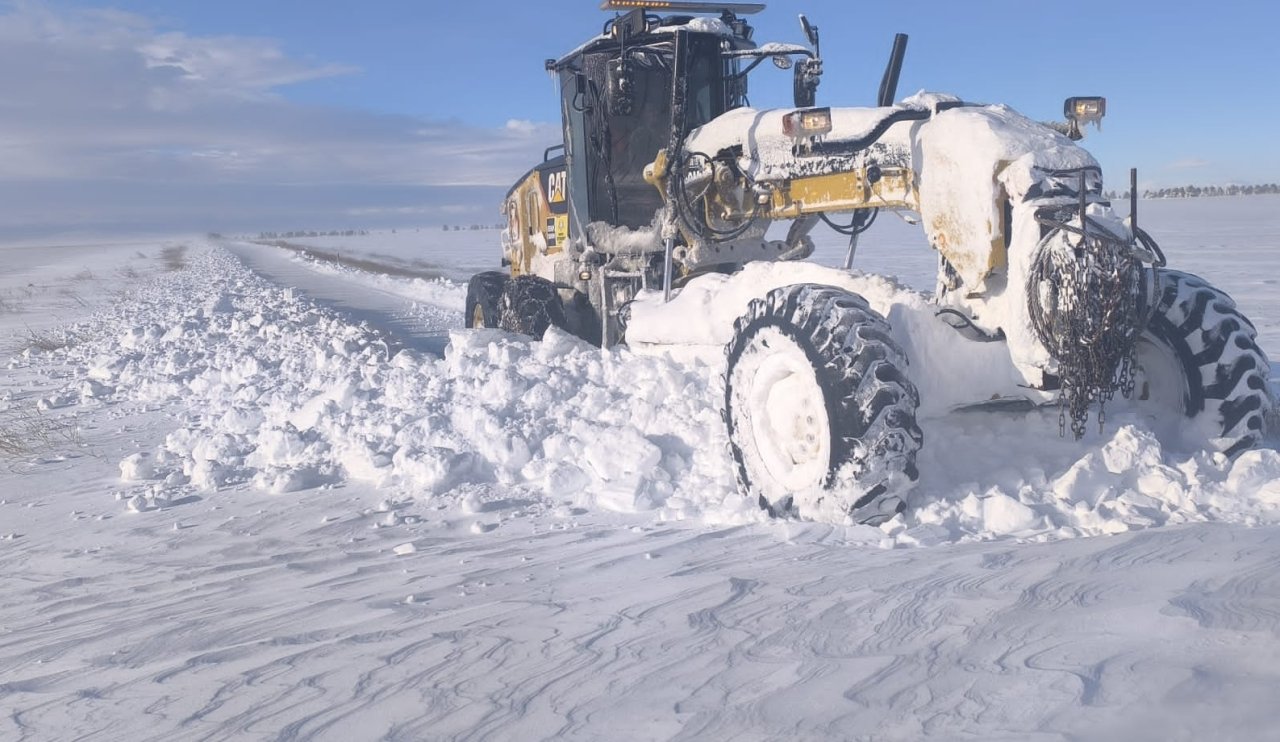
484,291
821,415
1203,353
529,305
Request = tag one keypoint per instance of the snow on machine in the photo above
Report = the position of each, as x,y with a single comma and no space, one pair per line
651,225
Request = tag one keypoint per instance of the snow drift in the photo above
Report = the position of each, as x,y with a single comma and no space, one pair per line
283,395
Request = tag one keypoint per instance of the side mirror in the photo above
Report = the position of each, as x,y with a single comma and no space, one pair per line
579,100
808,72
620,87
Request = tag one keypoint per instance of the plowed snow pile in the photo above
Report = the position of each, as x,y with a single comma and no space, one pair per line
283,395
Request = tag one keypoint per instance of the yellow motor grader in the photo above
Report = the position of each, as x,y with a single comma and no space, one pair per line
665,207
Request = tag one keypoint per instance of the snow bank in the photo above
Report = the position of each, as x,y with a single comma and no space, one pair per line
442,292
452,254
1016,478
284,395
273,392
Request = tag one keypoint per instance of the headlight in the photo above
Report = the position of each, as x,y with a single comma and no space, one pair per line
807,122
1085,110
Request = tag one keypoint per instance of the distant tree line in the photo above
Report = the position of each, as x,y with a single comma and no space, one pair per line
1191,191
459,227
312,233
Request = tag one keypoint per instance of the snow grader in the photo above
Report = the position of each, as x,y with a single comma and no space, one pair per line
673,212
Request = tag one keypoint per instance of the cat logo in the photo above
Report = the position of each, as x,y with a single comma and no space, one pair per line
555,187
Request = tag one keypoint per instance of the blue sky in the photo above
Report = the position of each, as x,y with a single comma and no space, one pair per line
139,113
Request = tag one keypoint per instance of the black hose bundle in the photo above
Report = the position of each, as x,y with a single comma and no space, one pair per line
694,214
860,223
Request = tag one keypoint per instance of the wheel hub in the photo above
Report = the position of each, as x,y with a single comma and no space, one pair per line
789,423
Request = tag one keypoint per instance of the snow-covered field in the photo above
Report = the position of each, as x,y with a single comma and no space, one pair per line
250,494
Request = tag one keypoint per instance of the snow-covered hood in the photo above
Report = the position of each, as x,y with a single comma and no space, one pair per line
994,135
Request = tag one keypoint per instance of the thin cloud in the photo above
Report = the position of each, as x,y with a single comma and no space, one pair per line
232,65
522,126
107,98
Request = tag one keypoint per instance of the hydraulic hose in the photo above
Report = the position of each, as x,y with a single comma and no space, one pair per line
857,144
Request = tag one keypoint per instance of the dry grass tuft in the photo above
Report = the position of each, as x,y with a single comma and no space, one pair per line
174,257
27,431
73,296
47,341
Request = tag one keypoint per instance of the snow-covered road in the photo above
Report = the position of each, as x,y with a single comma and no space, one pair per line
232,510
271,622
404,320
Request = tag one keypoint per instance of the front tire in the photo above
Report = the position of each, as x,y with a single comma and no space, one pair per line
821,415
484,291
1200,359
529,305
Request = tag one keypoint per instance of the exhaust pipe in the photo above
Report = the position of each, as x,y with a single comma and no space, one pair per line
889,84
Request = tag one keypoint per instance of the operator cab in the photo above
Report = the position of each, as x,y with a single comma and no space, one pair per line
616,100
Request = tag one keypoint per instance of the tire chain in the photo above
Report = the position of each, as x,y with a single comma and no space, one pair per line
525,306
1089,322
